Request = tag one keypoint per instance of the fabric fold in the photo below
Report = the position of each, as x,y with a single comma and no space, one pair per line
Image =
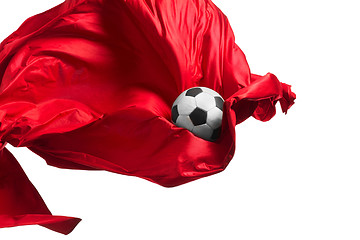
21,204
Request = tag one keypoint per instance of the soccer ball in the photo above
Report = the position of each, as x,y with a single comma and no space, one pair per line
199,110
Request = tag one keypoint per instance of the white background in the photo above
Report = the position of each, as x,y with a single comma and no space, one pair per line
294,177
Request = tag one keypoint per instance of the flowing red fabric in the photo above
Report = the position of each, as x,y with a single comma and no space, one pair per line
89,85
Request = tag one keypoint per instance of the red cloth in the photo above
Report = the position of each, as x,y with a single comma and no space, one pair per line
89,85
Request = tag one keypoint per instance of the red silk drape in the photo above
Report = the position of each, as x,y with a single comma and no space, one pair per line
89,85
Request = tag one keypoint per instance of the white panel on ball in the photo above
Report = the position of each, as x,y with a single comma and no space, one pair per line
185,122
214,118
205,101
178,99
203,131
186,105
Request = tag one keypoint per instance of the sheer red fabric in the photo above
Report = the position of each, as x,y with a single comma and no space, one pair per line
89,85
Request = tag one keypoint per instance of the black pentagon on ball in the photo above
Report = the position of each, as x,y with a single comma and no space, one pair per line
216,133
174,113
193,92
198,116
219,102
